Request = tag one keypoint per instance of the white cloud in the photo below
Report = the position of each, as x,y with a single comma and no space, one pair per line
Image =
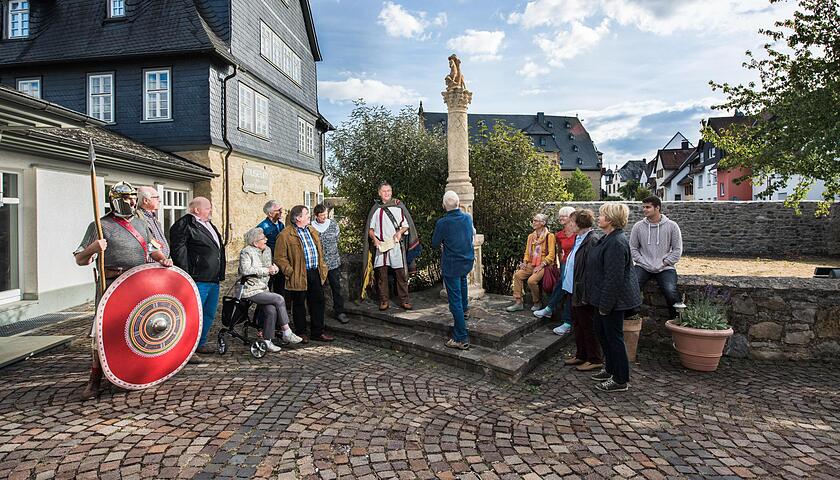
399,22
553,12
567,44
532,70
372,91
480,45
623,120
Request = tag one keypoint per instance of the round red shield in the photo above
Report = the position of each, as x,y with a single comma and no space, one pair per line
148,324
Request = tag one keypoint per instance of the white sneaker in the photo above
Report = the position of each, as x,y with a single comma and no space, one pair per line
270,347
562,329
535,307
290,337
544,313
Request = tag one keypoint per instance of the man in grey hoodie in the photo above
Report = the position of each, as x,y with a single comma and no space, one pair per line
656,246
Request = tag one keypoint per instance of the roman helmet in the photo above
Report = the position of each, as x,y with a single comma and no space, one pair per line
119,196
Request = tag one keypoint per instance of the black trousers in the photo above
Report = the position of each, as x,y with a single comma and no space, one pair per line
334,277
313,298
610,331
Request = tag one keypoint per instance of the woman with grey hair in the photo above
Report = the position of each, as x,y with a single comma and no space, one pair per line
256,266
539,253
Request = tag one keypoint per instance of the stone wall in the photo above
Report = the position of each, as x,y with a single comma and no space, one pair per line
773,318
767,229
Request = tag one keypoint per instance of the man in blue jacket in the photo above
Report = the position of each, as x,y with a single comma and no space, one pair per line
454,233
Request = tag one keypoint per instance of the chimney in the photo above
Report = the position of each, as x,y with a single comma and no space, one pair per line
685,144
540,117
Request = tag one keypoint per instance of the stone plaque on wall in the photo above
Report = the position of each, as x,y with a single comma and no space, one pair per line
255,179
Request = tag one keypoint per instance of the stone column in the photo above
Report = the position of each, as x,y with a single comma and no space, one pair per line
457,100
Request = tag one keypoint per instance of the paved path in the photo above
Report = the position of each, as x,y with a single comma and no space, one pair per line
354,411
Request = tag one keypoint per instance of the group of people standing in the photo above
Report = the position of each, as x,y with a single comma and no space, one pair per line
600,279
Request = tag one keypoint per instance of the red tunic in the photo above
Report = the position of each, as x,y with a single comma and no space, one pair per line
566,244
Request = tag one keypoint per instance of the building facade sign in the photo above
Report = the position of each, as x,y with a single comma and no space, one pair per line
255,179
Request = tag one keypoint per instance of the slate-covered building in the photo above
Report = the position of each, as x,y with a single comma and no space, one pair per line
227,84
615,179
562,139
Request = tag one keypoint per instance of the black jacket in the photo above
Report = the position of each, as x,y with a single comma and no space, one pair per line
579,288
611,282
194,250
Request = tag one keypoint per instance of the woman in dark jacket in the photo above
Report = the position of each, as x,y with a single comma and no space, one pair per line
588,354
612,288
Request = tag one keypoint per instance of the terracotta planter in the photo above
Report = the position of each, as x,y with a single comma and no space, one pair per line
632,329
699,349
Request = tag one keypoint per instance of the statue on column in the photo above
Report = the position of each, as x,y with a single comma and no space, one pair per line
455,79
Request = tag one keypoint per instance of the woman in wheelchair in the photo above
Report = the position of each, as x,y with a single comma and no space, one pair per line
255,263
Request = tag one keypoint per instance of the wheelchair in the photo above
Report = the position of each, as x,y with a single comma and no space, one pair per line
237,315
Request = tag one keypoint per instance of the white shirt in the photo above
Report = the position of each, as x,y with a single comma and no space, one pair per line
384,229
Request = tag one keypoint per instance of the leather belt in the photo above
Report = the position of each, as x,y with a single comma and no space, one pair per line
113,272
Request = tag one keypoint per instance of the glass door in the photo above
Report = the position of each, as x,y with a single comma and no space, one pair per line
9,238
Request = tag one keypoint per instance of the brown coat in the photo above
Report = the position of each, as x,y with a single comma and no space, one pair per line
288,255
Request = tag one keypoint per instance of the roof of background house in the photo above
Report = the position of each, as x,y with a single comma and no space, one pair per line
721,123
694,155
560,134
674,157
632,170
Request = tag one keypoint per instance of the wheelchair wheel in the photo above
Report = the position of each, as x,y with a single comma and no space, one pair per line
222,344
258,349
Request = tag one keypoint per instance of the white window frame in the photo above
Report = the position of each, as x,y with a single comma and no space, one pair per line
159,94
712,152
722,189
253,111
101,97
116,8
17,12
306,137
14,295
280,54
24,85
310,197
173,205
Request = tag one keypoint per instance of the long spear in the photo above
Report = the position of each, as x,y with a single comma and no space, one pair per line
100,257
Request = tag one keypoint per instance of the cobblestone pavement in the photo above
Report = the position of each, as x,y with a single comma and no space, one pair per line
354,411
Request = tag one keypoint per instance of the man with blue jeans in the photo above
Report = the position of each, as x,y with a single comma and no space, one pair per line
656,247
454,233
197,248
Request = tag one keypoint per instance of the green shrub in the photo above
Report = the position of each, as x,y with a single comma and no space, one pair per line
704,312
580,187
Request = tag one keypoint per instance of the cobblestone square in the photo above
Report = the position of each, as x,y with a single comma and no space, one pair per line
350,410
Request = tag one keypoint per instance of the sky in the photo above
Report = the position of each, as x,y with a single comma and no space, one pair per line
634,71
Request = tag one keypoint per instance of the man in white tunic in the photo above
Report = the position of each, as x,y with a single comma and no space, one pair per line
389,222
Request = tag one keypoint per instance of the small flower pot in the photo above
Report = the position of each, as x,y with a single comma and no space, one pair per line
699,349
632,329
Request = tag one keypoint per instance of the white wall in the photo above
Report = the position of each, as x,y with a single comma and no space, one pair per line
63,214
816,192
704,191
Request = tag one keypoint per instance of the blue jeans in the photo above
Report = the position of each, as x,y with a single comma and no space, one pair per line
209,293
556,297
667,280
456,290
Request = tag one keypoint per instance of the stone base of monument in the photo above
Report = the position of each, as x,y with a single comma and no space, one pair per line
504,345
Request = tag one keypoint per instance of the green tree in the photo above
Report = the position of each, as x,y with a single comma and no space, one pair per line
795,103
376,145
628,190
642,193
513,181
580,187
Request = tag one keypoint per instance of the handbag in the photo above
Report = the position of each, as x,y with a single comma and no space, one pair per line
551,278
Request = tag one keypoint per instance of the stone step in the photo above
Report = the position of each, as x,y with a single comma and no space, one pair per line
509,363
489,324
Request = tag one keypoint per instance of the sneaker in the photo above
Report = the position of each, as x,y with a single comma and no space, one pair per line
544,313
270,347
459,345
611,385
601,376
563,329
535,307
516,307
587,366
290,337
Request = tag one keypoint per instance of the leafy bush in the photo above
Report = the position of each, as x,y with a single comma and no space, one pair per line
706,310
580,187
642,193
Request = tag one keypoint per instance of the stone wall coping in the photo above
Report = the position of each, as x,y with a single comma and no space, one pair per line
812,285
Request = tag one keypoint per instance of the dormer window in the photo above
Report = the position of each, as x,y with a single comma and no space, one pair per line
579,161
18,19
571,136
575,148
542,141
116,8
549,125
568,125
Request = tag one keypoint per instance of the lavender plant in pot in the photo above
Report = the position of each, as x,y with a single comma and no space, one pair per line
701,330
